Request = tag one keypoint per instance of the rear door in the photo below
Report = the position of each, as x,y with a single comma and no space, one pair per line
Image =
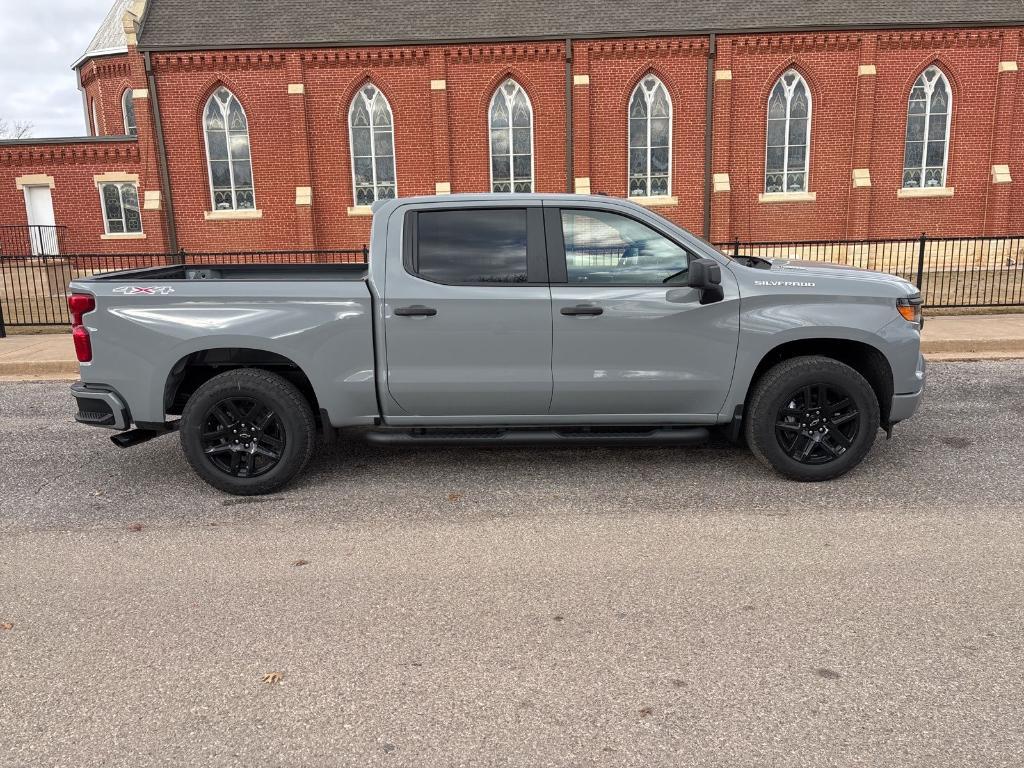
630,338
467,315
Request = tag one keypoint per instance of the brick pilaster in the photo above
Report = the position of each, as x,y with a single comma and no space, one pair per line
302,170
439,119
999,195
858,217
721,191
581,117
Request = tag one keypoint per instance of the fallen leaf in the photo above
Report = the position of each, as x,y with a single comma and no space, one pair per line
558,618
273,677
646,711
454,497
7,625
299,563
135,527
828,674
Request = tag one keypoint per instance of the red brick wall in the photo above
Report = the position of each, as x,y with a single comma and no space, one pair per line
441,134
76,201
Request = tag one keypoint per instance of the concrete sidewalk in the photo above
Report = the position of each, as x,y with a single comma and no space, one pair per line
964,337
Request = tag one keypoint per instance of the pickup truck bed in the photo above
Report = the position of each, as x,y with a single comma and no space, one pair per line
335,272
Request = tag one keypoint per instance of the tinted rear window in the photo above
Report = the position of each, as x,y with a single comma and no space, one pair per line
472,246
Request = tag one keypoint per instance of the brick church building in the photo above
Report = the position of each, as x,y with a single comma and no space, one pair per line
251,124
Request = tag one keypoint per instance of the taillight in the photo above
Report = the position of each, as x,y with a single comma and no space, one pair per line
78,305
83,345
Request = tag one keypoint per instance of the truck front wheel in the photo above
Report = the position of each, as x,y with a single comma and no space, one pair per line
247,431
812,418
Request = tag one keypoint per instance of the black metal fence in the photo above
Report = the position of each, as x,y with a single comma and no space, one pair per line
38,240
950,271
33,289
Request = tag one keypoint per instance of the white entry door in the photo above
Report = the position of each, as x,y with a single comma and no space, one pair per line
42,232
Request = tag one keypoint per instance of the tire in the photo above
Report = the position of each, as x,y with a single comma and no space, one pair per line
269,442
811,401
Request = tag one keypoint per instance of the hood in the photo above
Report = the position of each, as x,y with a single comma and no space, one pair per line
804,267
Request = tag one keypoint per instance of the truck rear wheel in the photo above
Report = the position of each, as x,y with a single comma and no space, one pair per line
812,418
247,431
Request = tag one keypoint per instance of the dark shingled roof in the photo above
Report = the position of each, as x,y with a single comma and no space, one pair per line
176,24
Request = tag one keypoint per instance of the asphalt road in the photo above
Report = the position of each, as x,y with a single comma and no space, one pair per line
518,607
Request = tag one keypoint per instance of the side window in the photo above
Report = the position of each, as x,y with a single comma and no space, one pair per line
471,246
120,208
602,247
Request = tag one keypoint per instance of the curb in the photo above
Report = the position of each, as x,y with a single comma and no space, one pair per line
39,369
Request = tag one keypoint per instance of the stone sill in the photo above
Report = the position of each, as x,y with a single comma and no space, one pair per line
360,210
244,213
787,197
925,192
655,201
124,236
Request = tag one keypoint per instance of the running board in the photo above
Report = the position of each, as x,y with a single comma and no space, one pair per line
525,436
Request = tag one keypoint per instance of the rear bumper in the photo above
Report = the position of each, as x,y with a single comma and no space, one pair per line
100,406
904,406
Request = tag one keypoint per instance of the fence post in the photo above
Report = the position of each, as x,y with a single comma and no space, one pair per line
736,247
182,256
3,328
920,260
366,253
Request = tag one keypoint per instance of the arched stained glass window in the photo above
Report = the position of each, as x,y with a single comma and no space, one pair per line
372,139
650,139
128,110
511,122
227,152
927,144
787,151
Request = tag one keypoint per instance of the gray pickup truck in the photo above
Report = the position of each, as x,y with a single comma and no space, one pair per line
501,319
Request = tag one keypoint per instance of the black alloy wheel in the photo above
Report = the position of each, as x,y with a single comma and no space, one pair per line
243,437
817,424
811,418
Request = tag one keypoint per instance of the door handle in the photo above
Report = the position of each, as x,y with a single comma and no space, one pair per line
416,310
582,309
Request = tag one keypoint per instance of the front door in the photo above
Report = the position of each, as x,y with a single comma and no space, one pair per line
630,338
42,232
467,315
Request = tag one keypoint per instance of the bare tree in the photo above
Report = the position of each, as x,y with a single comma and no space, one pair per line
15,130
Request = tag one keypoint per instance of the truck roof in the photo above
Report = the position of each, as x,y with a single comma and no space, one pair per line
517,198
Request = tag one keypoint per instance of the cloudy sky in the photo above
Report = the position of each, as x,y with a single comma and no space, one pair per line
39,41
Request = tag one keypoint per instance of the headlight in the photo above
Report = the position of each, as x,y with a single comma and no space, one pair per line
910,309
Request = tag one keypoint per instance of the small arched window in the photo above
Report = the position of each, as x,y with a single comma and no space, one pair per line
787,150
927,143
511,122
650,139
227,152
372,139
128,110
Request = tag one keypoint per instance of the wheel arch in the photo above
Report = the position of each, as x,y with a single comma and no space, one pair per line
869,361
194,369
